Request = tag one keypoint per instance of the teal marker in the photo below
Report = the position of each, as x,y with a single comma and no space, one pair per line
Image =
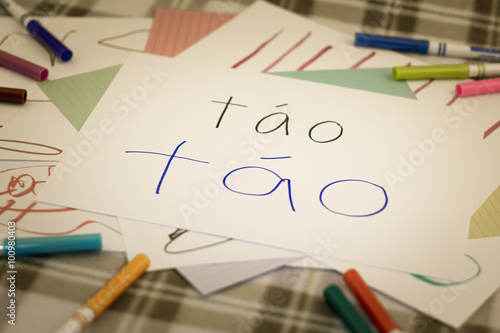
47,245
460,71
351,318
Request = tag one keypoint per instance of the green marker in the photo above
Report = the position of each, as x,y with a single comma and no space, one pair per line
460,71
351,318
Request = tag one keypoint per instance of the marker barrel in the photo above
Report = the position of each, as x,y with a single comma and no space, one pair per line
426,47
57,244
23,66
391,43
431,72
351,318
369,302
91,309
46,38
37,30
13,95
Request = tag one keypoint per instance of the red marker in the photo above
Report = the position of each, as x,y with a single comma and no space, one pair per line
369,302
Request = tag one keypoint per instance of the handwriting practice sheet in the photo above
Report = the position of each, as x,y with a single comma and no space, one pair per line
282,162
296,41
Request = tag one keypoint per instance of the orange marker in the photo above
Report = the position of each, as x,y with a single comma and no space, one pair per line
106,295
369,302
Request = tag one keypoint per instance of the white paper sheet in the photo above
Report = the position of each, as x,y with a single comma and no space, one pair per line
208,279
382,134
224,46
169,247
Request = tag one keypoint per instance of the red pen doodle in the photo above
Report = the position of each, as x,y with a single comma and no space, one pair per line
18,188
19,184
316,57
257,50
67,232
452,100
362,61
285,54
290,50
491,129
419,89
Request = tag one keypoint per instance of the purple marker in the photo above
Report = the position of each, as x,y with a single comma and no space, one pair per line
22,66
37,30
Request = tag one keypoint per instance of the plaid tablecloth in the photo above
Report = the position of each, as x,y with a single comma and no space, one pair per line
49,288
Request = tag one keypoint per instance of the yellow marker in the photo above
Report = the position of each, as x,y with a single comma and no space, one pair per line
106,295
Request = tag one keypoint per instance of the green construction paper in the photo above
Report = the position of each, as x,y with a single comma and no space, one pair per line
377,80
76,96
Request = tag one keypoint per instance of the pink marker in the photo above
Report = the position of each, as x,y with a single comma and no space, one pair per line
22,66
479,87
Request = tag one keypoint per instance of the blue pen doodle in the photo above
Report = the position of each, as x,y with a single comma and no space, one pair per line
275,158
280,181
171,157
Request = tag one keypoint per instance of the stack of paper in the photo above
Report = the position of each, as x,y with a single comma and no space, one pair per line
258,146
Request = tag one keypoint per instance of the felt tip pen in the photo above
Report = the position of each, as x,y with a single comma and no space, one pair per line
479,87
460,71
36,29
423,46
13,95
48,245
339,303
369,302
22,66
93,308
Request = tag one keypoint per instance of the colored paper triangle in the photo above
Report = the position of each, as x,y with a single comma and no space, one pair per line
486,220
377,80
76,96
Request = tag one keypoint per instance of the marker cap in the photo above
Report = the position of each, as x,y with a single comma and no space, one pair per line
47,245
391,43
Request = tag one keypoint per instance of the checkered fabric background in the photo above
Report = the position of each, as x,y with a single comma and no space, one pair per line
49,288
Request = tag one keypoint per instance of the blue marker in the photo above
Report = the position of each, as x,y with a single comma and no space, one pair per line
48,245
426,47
37,30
